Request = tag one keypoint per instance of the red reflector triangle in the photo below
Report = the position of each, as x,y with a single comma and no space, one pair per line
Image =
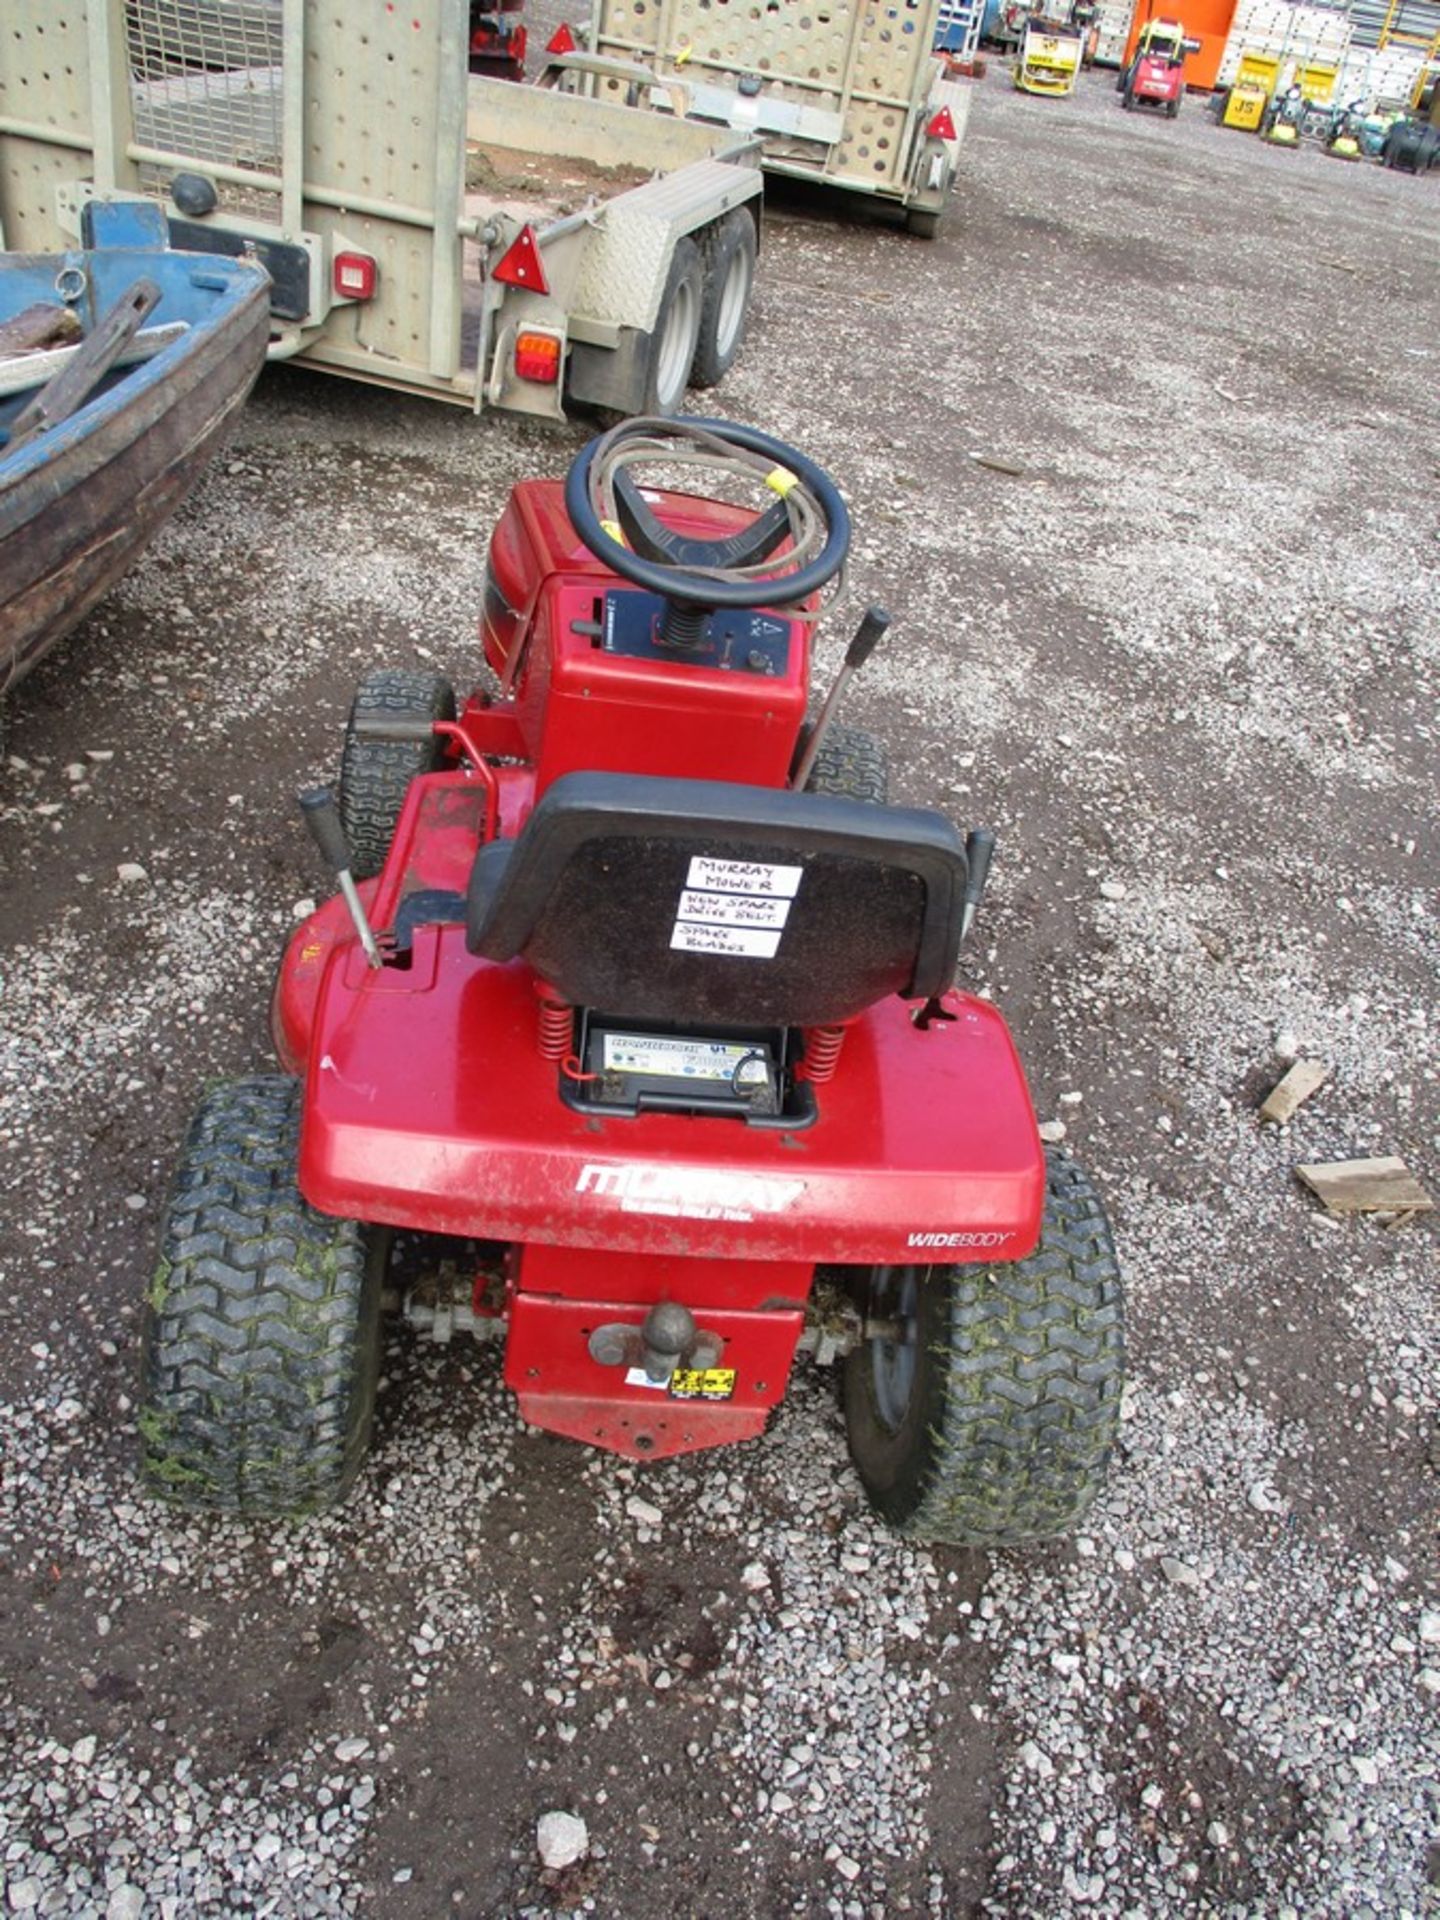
942,127
561,41
521,265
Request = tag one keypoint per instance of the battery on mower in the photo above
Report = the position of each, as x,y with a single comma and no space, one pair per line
629,1069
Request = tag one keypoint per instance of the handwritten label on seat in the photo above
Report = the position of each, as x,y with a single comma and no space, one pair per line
734,907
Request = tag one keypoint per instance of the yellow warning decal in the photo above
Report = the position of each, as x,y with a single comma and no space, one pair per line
780,480
702,1383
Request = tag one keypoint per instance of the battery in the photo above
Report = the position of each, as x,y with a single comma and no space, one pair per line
632,1068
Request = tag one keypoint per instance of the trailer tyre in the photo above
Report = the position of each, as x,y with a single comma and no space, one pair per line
924,222
261,1341
677,331
725,308
375,774
986,1411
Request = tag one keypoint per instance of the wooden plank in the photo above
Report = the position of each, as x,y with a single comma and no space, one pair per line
39,326
1303,1079
1366,1186
32,370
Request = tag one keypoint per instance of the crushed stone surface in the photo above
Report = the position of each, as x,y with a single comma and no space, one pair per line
1185,662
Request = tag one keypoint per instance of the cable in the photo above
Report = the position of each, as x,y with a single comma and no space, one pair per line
749,1093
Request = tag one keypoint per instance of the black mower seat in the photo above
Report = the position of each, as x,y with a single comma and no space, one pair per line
698,901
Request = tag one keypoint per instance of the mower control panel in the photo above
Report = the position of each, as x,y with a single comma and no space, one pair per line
734,640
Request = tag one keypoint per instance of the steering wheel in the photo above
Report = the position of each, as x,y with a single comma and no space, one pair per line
634,542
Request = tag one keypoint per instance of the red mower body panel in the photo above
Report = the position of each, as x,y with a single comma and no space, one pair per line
489,1151
1158,78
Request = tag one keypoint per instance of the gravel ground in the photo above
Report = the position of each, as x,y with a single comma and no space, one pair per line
1185,662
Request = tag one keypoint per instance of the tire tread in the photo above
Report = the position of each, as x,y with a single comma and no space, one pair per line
261,1331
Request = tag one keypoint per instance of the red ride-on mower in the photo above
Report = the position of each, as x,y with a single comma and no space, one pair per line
1155,75
637,988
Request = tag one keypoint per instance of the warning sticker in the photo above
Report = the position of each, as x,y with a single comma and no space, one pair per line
638,1377
744,876
751,943
682,1059
702,1383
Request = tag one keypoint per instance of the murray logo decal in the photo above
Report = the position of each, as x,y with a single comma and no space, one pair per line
688,1193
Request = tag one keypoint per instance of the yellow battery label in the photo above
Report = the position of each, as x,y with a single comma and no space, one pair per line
702,1383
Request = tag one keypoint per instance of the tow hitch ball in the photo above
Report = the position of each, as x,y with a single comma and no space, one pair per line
667,1338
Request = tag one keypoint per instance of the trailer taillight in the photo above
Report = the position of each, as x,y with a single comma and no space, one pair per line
537,356
354,276
520,265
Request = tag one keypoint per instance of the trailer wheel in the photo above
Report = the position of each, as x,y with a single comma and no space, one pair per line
375,774
725,309
261,1343
924,222
986,1410
672,345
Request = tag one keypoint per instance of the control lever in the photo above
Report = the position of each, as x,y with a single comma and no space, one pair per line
979,845
867,636
323,820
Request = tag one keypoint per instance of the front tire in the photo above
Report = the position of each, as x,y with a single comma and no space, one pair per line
261,1340
986,1412
851,764
375,774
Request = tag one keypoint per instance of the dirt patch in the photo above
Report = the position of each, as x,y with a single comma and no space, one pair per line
559,185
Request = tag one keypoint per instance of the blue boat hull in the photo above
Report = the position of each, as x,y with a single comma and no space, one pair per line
79,503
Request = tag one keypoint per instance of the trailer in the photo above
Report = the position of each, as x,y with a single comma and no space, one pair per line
424,228
850,93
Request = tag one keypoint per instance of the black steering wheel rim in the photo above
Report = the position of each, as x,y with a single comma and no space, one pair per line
698,589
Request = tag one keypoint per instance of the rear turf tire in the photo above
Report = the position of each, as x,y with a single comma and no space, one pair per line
989,1415
261,1339
851,764
375,775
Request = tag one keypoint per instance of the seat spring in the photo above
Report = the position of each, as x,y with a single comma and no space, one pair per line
822,1050
556,1029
